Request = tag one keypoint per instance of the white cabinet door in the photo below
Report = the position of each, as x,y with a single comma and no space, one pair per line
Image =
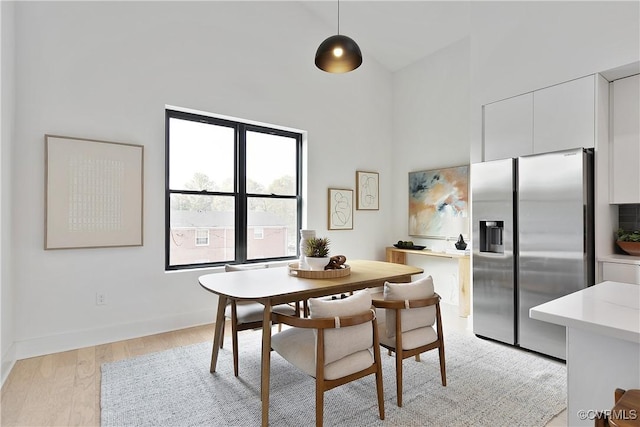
508,128
625,273
625,144
564,116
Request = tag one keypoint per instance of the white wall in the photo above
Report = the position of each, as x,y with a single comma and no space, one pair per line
106,70
7,52
430,131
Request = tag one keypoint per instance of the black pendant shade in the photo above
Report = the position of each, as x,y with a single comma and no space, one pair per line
338,54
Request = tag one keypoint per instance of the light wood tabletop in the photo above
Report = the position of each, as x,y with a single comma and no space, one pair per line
271,286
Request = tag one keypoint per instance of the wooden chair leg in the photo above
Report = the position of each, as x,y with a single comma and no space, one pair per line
417,357
443,370
399,376
234,337
319,404
379,385
601,420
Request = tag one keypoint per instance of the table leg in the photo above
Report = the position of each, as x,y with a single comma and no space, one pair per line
464,279
266,361
219,329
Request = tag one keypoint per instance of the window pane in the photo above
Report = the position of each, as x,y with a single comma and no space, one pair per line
202,229
277,220
201,156
202,237
271,164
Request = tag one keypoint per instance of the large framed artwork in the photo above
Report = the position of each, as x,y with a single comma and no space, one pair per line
93,193
439,202
340,209
367,189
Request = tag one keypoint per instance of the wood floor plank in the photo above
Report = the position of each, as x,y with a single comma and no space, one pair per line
16,389
83,402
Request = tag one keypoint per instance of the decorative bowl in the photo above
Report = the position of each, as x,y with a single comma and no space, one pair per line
632,248
414,247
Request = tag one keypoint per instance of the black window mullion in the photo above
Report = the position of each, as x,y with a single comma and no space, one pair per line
167,194
241,191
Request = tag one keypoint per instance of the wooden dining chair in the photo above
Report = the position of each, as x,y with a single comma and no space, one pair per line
337,344
406,315
245,315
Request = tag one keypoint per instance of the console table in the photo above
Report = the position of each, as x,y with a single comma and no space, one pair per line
399,256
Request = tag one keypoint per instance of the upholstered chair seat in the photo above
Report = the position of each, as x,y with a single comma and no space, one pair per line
410,339
337,344
297,345
252,312
407,314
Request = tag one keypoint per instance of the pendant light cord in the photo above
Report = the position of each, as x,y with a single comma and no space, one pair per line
338,17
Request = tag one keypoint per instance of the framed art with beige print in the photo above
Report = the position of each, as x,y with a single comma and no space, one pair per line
93,193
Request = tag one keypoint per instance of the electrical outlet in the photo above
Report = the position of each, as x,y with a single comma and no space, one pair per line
101,299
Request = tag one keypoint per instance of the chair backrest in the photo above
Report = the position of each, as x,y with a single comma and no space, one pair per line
343,341
410,318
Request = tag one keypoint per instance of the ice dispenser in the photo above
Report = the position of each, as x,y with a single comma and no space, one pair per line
491,236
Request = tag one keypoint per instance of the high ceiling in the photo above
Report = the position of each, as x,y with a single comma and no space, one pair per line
396,33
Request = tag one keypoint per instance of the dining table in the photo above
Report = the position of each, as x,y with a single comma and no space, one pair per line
279,285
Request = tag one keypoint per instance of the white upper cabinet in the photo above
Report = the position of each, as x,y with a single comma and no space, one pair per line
556,118
625,143
508,128
565,116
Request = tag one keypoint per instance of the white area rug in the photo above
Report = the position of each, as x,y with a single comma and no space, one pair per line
488,384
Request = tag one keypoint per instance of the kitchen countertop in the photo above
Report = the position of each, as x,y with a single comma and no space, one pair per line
620,259
608,308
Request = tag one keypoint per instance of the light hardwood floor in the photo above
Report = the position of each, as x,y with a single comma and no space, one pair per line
63,389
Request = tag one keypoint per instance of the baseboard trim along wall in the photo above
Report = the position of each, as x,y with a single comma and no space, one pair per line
8,360
91,337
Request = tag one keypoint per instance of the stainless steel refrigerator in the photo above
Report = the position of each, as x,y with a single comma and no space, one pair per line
532,239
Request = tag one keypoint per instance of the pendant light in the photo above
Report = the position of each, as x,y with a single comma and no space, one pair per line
339,53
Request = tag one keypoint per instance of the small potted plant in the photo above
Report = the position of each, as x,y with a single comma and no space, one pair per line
629,241
316,250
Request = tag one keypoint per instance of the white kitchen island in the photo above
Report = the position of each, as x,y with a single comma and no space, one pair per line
603,345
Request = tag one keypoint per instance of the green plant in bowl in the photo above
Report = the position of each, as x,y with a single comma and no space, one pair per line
629,241
317,247
628,236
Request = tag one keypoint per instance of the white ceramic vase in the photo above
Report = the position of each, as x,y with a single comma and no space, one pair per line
317,263
304,236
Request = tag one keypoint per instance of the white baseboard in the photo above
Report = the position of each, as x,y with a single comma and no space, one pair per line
8,360
91,337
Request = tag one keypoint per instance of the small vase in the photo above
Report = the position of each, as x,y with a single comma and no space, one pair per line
317,263
304,236
461,245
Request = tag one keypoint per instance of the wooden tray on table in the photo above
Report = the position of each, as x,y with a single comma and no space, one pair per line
319,274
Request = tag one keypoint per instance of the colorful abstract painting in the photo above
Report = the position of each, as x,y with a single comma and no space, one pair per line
438,202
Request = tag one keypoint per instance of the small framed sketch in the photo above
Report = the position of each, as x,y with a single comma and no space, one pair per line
93,193
367,188
340,209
